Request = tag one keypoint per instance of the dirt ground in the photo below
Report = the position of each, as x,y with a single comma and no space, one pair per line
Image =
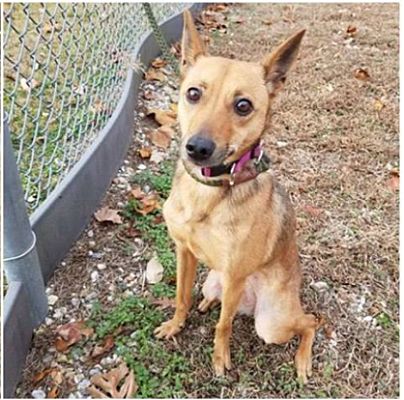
334,145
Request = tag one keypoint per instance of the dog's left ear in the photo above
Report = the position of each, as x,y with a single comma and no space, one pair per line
277,64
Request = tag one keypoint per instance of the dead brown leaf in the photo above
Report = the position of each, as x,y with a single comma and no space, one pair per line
106,214
148,204
160,138
163,117
351,30
394,183
154,75
164,303
362,74
38,377
105,347
137,193
71,333
378,105
53,392
145,152
159,63
267,22
118,383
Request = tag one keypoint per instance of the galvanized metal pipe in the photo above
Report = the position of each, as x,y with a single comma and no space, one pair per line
21,262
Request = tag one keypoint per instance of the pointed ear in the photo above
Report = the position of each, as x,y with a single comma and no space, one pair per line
278,63
192,45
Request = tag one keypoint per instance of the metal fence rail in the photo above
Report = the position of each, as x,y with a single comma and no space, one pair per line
64,69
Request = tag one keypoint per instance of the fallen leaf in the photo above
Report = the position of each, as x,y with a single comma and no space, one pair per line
154,75
159,63
105,347
71,333
137,193
351,30
145,152
160,138
267,22
362,74
53,393
378,105
41,375
118,383
148,204
312,211
394,183
164,303
163,117
106,214
28,84
154,271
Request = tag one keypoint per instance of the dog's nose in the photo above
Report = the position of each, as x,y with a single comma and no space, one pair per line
200,148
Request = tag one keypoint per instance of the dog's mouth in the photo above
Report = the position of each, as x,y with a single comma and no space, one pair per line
219,157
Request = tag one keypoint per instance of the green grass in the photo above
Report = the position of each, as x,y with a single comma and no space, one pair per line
159,371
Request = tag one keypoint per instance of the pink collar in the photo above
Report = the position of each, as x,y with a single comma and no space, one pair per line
255,152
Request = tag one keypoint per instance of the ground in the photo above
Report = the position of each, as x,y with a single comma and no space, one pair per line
334,145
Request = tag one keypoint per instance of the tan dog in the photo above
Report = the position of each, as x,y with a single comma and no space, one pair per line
226,210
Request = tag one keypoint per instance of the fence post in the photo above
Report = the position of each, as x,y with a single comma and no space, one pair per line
21,262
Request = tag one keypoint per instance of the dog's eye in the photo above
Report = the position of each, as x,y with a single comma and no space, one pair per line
193,94
243,107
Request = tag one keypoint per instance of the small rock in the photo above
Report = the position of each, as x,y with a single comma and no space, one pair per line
63,264
141,167
90,234
75,302
48,321
38,394
101,267
320,286
126,162
52,299
94,276
154,271
59,313
368,318
90,253
84,384
91,244
281,144
94,371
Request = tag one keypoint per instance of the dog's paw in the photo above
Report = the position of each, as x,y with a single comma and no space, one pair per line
206,305
221,359
303,367
168,329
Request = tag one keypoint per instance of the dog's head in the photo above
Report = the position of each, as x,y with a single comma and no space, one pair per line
224,104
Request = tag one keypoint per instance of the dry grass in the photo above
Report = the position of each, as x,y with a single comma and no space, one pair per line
335,154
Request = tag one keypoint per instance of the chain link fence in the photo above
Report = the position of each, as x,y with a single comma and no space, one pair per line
64,69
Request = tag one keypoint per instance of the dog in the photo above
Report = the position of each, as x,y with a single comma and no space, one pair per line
226,209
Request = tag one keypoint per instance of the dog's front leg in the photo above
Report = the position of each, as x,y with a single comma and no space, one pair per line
232,292
186,269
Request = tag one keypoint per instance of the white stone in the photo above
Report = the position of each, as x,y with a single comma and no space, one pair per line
94,276
101,266
320,286
52,299
92,243
90,234
84,384
75,302
38,394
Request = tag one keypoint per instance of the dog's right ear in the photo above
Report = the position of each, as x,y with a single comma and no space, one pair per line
192,46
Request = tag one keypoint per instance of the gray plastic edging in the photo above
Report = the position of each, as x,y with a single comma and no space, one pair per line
63,216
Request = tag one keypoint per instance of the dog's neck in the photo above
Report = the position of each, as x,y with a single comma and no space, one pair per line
252,163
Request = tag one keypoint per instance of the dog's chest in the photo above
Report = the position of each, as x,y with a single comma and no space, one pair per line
205,230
